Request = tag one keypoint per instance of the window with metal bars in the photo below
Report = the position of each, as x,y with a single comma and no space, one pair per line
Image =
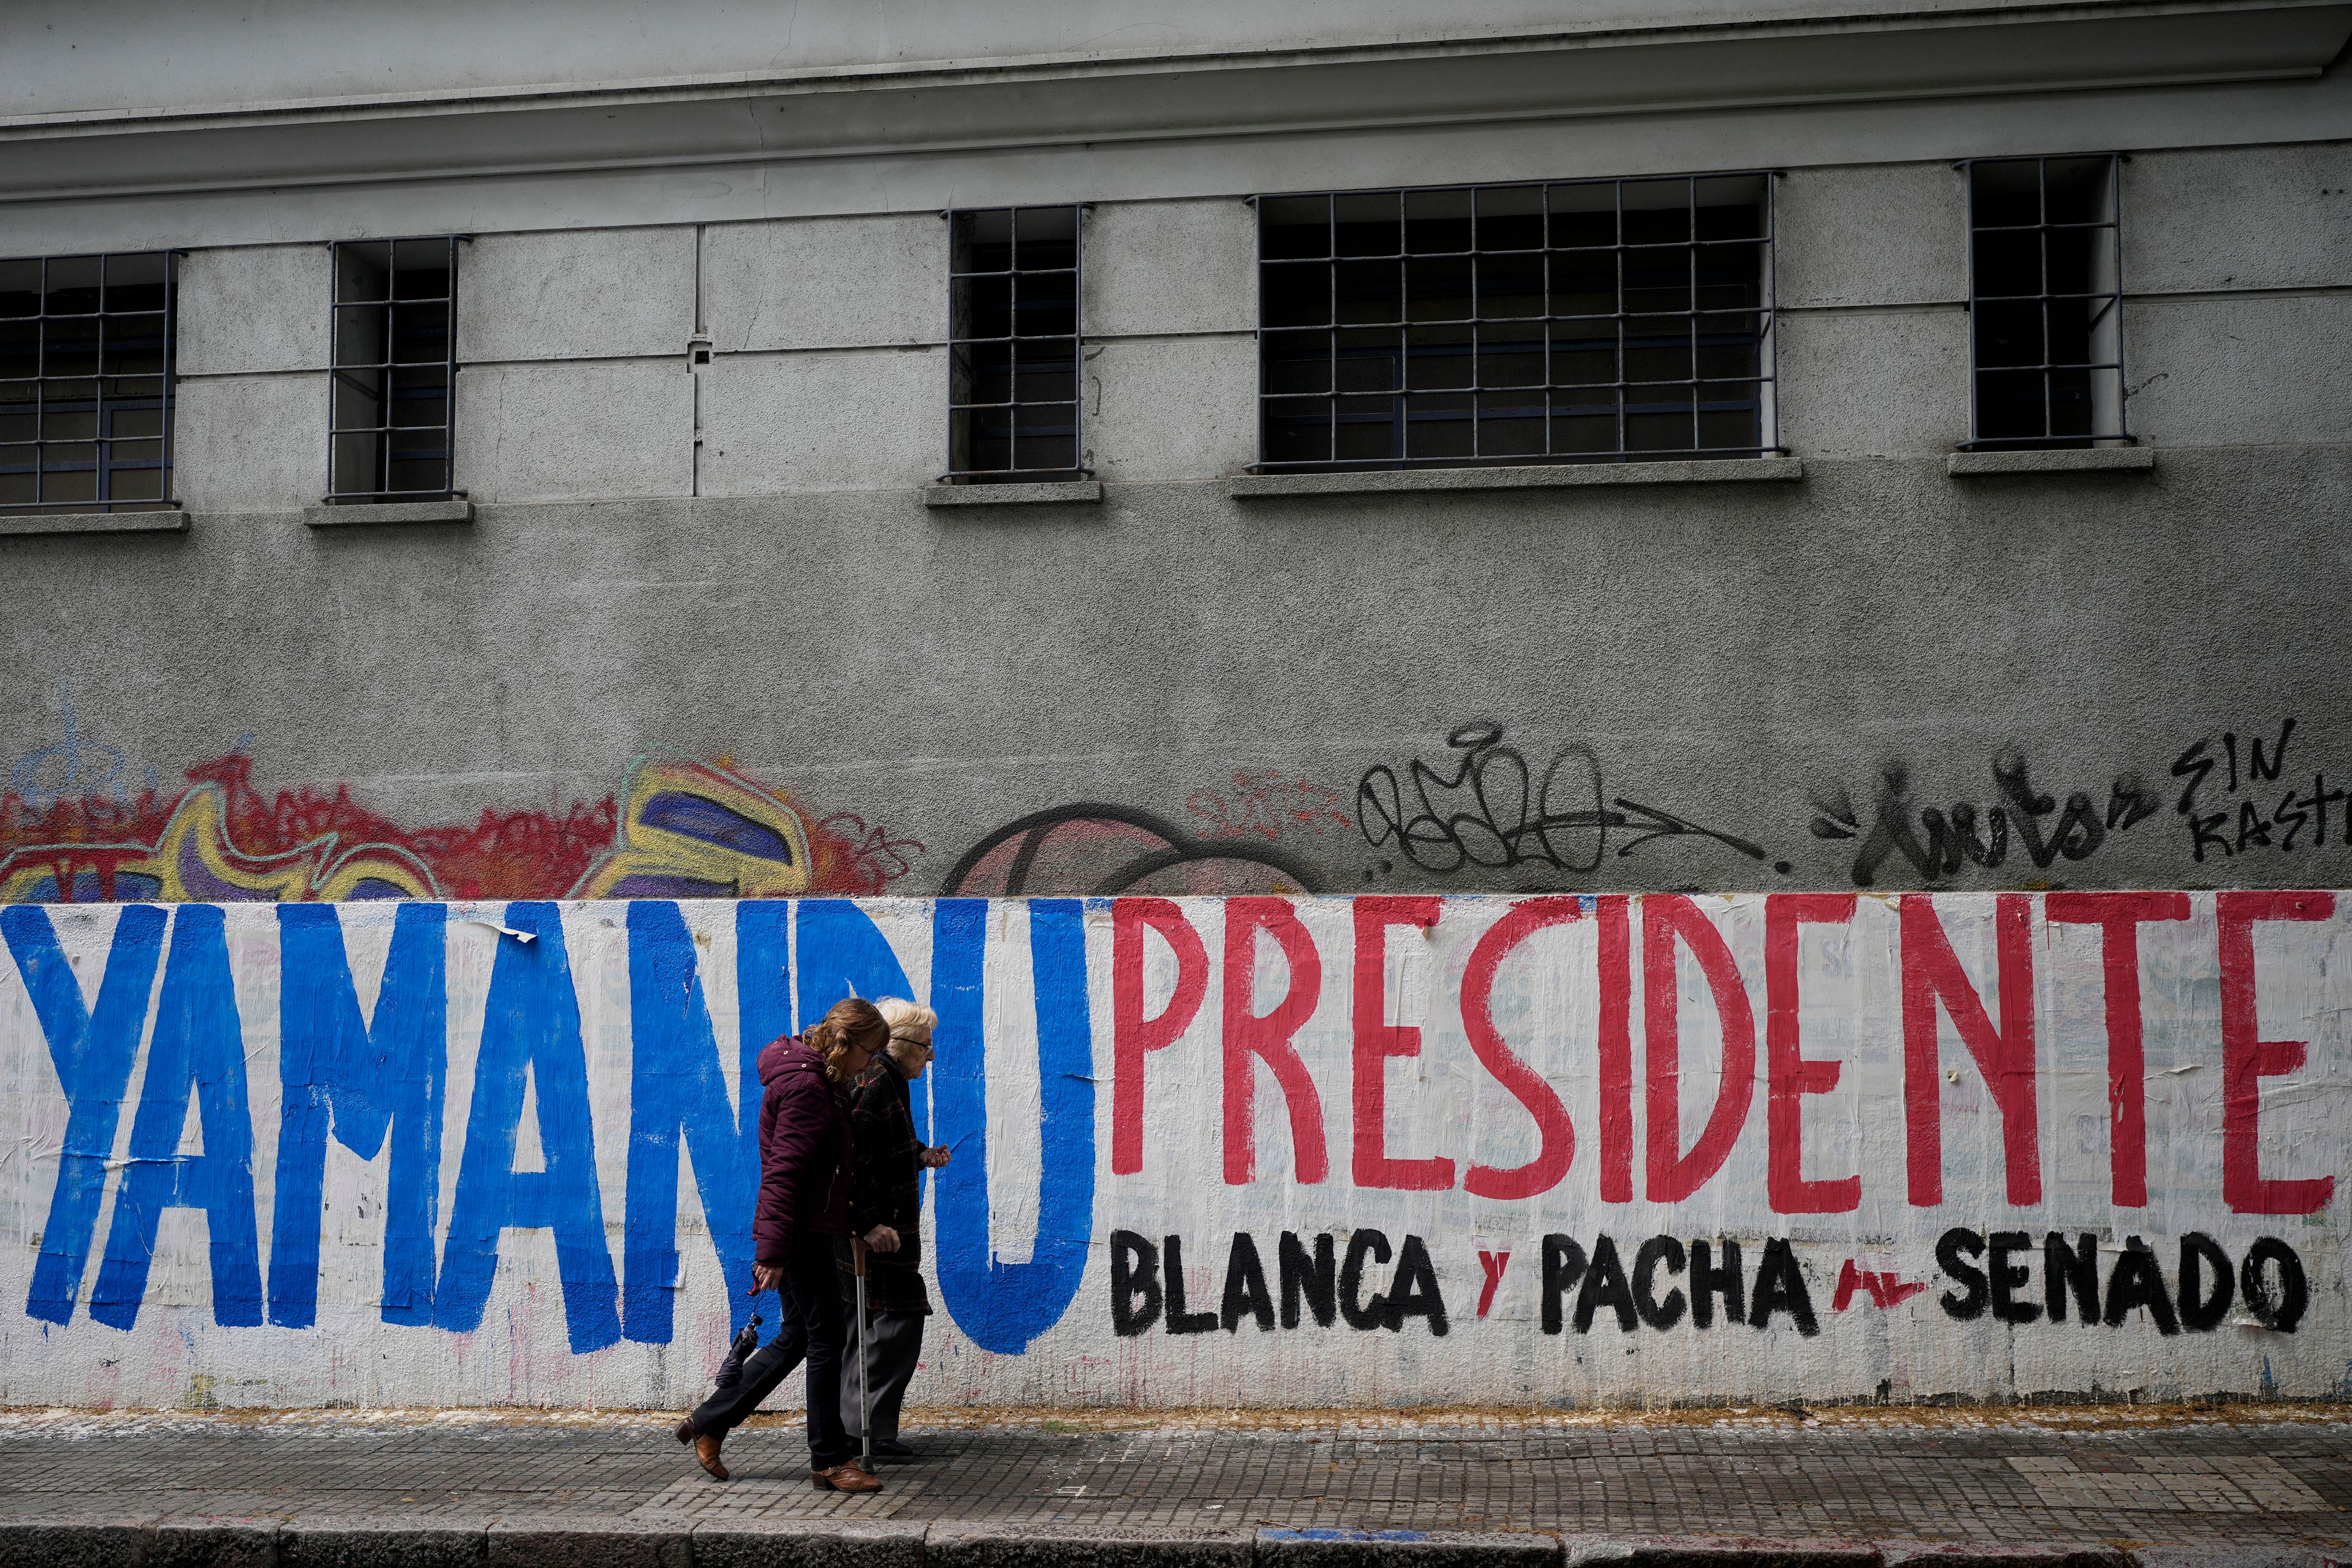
1013,309
1595,321
2045,302
392,396
86,383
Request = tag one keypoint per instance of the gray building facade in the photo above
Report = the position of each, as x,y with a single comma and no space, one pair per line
699,602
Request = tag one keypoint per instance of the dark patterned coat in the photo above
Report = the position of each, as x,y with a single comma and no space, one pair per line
804,1153
887,1189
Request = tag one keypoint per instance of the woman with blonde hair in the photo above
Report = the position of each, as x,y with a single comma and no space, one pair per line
803,1208
886,1207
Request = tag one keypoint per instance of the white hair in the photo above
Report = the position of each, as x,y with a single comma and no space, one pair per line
908,1020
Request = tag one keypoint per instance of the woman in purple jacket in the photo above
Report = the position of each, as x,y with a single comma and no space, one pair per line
804,1176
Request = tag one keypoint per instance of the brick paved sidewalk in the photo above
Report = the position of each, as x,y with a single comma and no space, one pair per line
2277,1479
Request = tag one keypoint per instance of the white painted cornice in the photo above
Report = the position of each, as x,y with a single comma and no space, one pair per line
869,109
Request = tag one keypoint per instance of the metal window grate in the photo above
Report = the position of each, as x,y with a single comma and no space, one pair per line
1013,301
392,396
1597,321
2045,302
86,383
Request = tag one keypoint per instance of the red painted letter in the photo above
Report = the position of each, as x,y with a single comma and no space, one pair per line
1616,1050
2118,917
1667,917
1557,1145
1132,1034
2246,1061
1377,1040
1788,1076
1932,974
1267,1039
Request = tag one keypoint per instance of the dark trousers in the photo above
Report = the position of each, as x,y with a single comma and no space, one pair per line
815,1327
892,1344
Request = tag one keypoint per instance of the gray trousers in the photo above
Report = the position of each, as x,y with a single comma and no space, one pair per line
888,1347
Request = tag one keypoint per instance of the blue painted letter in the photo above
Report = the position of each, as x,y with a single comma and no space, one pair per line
1003,1306
530,1031
674,1082
198,1040
359,1082
92,1052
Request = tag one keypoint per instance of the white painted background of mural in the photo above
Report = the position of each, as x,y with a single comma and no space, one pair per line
1442,1102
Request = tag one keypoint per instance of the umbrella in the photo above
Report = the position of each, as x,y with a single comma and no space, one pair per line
730,1371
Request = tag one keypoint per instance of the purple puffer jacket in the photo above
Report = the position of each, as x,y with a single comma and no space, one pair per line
804,1152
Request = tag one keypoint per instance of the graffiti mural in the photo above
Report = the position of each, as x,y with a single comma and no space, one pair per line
1492,808
1264,803
2237,798
1936,843
2227,807
1548,1151
678,829
1097,848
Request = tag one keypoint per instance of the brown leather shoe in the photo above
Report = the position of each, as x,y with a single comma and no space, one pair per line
845,1477
706,1449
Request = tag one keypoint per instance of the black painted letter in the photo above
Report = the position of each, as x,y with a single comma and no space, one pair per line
1415,1293
1316,1278
1707,1282
1658,1314
1781,1287
1563,1266
1952,1250
2200,1311
1360,1313
2283,1311
1245,1293
1181,1322
2006,1278
1134,1284
2075,1268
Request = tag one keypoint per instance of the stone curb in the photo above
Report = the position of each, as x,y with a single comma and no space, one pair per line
324,1541
1720,1551
1403,1549
336,1540
214,1544
600,1543
807,1544
1977,1554
1083,1546
75,1542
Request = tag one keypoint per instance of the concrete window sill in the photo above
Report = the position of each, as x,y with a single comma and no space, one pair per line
2074,461
173,521
1059,492
375,512
1539,476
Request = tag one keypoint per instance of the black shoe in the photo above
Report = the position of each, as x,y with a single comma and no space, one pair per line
891,1449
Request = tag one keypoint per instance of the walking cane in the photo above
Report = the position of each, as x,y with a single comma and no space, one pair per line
865,1367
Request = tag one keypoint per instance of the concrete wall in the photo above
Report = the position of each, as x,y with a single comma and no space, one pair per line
1817,680
406,1153
1807,670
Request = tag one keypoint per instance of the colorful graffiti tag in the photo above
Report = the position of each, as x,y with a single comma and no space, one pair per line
1401,1149
681,829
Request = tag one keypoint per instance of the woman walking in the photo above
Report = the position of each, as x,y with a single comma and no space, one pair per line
803,1208
886,1206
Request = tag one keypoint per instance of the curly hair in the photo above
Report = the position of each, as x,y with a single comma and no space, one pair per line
851,1024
